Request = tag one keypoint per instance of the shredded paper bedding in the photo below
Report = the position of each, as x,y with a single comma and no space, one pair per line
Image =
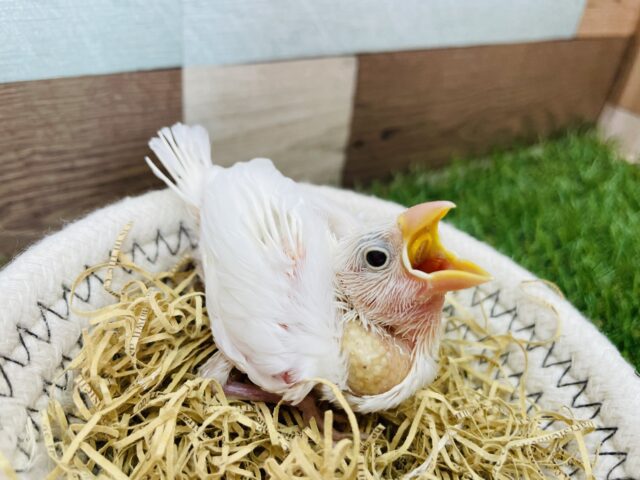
138,408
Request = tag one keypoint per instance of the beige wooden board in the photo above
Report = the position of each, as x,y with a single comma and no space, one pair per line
623,127
609,18
296,113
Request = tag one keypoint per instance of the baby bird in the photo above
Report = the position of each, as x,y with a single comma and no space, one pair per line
297,289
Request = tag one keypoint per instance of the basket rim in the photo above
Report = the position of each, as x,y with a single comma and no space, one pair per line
608,379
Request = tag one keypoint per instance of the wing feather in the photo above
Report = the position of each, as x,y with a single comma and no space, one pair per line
267,258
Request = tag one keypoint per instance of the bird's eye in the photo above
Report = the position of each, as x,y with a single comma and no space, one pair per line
377,257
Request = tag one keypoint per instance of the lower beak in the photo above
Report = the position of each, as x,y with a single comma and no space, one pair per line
425,258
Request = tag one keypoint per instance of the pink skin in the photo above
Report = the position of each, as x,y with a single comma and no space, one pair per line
407,306
423,322
406,301
404,295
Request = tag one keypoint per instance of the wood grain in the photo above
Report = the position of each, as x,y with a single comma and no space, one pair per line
609,18
68,146
296,113
426,107
626,93
620,120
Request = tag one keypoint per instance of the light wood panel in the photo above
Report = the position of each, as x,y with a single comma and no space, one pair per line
296,113
624,127
609,18
68,146
427,106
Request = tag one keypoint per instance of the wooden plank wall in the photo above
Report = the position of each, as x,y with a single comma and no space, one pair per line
626,93
609,18
296,113
451,102
620,120
70,145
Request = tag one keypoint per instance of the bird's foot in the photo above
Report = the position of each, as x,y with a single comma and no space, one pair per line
248,392
308,406
309,409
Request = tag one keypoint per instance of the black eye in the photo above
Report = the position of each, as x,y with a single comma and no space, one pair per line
377,258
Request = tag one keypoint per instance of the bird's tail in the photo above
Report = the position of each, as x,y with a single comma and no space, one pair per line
185,153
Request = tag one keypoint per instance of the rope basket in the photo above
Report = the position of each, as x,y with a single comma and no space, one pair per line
40,336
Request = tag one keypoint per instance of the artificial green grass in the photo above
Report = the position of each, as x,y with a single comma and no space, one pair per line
567,209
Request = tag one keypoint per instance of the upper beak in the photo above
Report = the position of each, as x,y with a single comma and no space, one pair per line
424,256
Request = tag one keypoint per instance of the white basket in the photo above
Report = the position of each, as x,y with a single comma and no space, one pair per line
582,369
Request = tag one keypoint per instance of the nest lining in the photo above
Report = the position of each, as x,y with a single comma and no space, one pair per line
139,409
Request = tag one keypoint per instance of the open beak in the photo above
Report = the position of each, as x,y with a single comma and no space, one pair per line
424,256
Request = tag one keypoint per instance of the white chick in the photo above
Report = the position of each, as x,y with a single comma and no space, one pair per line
295,292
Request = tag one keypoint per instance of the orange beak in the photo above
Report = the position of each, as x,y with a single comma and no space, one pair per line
425,258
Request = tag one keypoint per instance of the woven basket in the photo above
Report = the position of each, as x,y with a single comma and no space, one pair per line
581,369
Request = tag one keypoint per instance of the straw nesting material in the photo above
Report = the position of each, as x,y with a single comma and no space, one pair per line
141,411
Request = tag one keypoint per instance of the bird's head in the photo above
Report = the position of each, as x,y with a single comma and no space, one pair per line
396,275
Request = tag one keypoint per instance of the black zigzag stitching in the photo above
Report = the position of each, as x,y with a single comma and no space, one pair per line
623,458
548,361
495,312
65,377
495,296
45,311
182,231
9,386
23,363
6,386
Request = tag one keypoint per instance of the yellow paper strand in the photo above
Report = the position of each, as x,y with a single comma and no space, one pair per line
150,415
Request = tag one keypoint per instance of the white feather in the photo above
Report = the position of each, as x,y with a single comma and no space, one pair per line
267,247
266,257
185,152
268,271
